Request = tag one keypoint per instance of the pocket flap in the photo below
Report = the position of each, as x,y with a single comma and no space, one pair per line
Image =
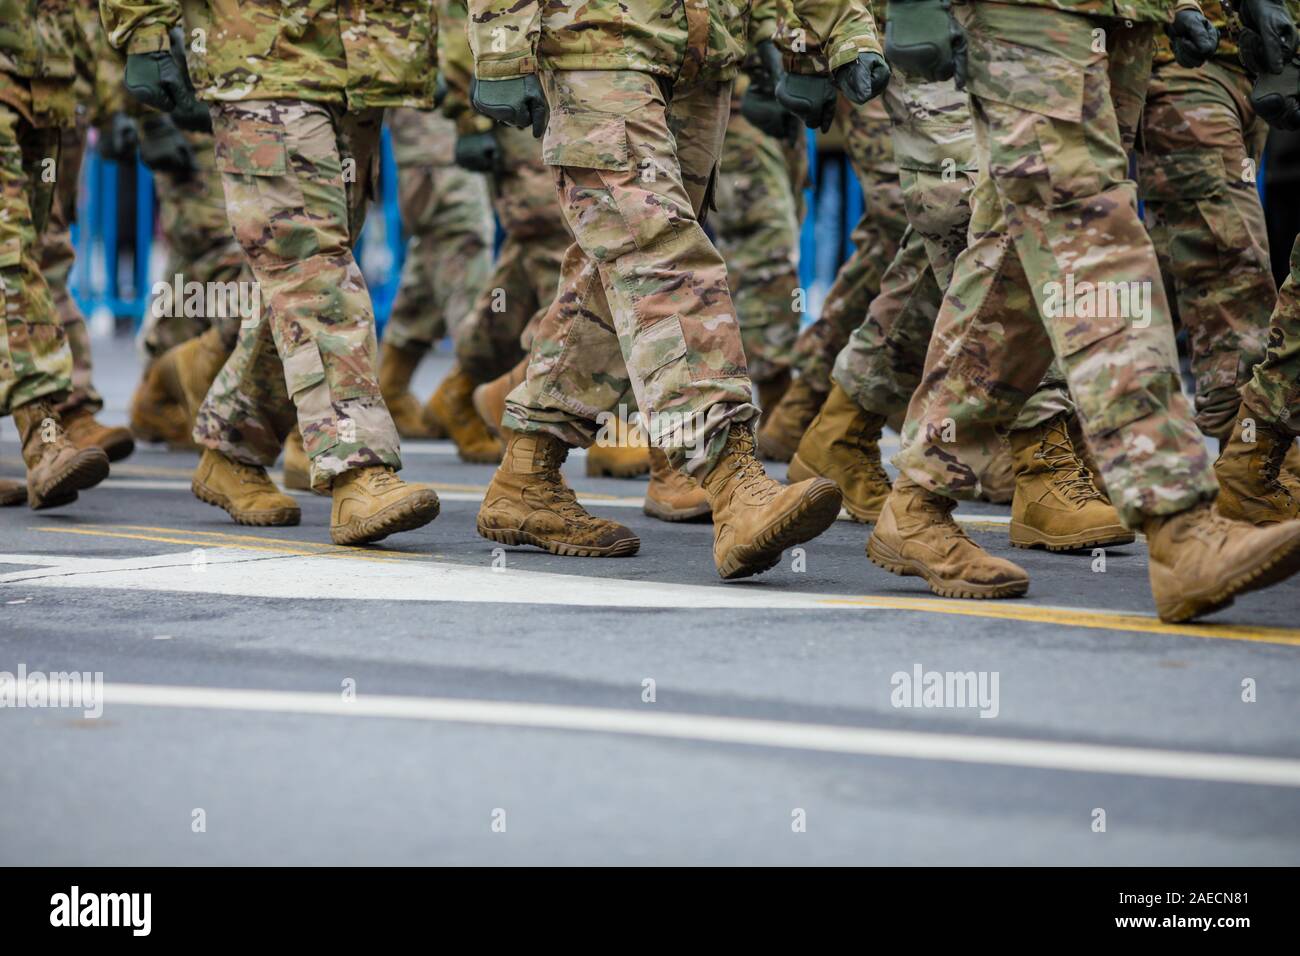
303,369
257,150
658,345
1180,175
586,141
1027,78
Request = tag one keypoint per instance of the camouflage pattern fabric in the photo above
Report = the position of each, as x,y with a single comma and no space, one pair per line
446,216
1054,118
643,302
313,341
1225,55
1199,147
1273,392
757,232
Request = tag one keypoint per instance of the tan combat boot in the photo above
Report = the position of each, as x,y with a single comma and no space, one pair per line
529,502
85,432
157,417
452,407
1057,506
917,535
1200,561
1290,474
843,444
771,391
396,369
490,398
297,466
672,494
756,518
784,425
998,483
12,492
189,369
56,468
1249,473
372,503
244,492
623,454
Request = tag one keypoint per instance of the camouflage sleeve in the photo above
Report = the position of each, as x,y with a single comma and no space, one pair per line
503,35
457,66
820,36
139,26
762,22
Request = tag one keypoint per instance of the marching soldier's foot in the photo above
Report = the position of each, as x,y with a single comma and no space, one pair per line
396,369
843,444
529,502
1200,561
917,535
490,398
771,391
85,432
1250,474
155,416
297,466
623,454
756,518
673,495
244,492
1290,473
56,468
1057,506
784,425
372,503
452,406
189,369
12,492
998,483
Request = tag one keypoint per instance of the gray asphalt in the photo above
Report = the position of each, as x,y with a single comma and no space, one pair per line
297,788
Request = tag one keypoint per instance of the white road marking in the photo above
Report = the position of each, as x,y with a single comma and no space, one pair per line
826,738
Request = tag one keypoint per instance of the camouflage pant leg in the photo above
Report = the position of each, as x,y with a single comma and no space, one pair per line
297,219
876,239
1273,392
757,233
640,248
1053,150
445,213
35,361
57,256
200,248
1200,144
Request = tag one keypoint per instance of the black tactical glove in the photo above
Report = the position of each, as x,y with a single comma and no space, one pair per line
759,105
118,139
923,39
863,78
155,80
1193,38
1268,38
190,113
1276,97
517,102
811,98
478,152
164,148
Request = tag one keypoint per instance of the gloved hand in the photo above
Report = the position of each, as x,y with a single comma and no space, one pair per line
1276,97
1268,38
759,105
811,98
155,80
439,90
1193,38
923,39
517,102
190,113
163,147
478,152
863,78
118,139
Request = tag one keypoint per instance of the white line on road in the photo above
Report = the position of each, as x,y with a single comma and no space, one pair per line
826,738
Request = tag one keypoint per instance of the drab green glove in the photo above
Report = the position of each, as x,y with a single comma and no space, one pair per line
517,101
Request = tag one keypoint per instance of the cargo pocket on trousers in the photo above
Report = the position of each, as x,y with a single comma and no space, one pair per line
264,200
304,376
1197,178
660,358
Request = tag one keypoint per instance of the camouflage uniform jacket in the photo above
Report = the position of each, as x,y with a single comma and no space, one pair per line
361,53
1143,11
37,69
457,65
682,39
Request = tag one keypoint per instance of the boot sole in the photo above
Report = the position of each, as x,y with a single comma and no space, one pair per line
275,518
799,471
657,509
410,513
119,448
87,469
817,511
1272,568
772,450
617,471
1023,536
619,549
885,557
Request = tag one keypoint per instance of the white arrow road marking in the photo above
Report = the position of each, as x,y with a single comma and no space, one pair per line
827,738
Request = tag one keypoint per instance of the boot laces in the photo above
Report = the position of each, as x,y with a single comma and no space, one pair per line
868,462
1071,475
749,476
383,480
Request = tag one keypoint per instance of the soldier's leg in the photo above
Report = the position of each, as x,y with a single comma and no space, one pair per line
1199,147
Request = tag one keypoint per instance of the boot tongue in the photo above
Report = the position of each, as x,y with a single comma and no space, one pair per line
1071,474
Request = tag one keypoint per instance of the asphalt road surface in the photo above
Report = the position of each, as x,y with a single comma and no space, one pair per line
268,698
